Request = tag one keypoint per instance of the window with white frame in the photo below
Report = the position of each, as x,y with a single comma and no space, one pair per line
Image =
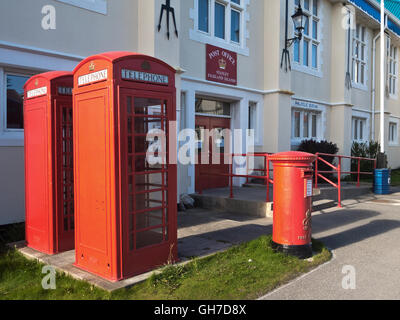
392,70
252,116
359,64
305,124
221,21
393,135
305,51
359,129
13,111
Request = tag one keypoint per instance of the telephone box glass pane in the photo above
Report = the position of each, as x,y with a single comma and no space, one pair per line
147,182
149,219
149,162
149,237
154,123
147,177
150,145
147,106
67,168
145,201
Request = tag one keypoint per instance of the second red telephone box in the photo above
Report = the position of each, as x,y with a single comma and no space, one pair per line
125,204
49,194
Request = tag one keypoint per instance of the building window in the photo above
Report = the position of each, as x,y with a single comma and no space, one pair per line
219,20
358,129
212,107
305,51
225,11
392,70
304,124
220,23
15,100
203,15
393,133
359,64
235,26
252,116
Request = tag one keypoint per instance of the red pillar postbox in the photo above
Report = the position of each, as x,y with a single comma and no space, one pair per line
125,205
49,203
293,202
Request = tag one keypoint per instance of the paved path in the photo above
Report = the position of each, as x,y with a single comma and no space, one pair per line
364,235
203,231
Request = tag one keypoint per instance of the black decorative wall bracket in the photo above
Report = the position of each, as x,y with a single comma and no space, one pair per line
167,7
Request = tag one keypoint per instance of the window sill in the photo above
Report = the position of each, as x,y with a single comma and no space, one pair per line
12,139
393,96
308,70
359,141
393,144
202,37
298,141
359,86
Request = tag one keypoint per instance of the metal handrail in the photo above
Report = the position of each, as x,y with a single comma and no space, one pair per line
338,169
317,173
231,175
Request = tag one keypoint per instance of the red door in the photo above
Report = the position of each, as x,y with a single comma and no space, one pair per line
148,219
65,184
210,174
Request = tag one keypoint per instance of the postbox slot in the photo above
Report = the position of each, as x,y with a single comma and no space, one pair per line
307,174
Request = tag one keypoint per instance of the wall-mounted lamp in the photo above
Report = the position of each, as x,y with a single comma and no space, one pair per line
299,20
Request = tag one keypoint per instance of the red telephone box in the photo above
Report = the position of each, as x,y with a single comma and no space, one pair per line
126,220
49,202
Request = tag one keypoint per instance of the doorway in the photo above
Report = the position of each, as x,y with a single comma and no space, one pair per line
209,175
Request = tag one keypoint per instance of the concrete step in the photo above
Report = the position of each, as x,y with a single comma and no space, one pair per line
250,200
316,191
348,191
255,208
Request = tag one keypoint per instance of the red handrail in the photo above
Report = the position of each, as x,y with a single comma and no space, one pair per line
231,175
338,169
317,173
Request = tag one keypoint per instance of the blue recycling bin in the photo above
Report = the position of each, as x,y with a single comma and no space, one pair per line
381,181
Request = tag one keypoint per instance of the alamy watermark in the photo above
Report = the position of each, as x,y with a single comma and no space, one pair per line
49,19
49,280
201,146
349,280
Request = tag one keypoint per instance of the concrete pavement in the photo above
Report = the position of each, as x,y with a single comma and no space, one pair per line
365,238
365,235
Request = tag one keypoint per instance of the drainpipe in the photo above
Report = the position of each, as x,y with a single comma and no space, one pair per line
373,85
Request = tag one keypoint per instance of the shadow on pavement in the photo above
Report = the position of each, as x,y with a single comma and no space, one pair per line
338,218
210,242
357,234
198,216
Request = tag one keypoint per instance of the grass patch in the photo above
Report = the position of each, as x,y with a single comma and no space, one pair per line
395,177
246,271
